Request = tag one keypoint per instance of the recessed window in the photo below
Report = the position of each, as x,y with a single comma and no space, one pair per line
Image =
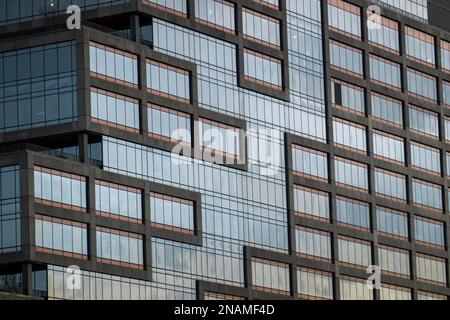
424,122
263,69
354,252
313,244
385,73
216,13
423,295
169,125
115,110
388,147
390,185
391,292
346,59
347,96
394,261
118,201
349,135
274,4
427,195
429,232
351,174
420,46
61,237
445,56
387,110
354,289
261,28
431,269
353,213
392,223
446,93
311,203
310,163
270,276
171,213
422,85
344,17
314,284
168,82
425,158
384,33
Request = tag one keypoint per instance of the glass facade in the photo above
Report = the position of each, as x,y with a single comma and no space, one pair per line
10,218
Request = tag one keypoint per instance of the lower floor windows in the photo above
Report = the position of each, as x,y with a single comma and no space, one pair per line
431,269
314,284
61,237
120,248
354,289
394,261
390,292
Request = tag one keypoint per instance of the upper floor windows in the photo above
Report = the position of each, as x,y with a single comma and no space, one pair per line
115,110
348,96
263,69
270,276
261,28
169,125
178,7
120,248
385,72
353,213
387,109
346,59
384,34
429,231
420,46
389,147
311,203
425,158
118,201
113,65
172,213
351,174
168,81
61,237
427,195
390,185
445,55
314,284
392,223
61,189
422,86
431,269
349,135
311,243
221,139
423,121
345,18
216,13
310,163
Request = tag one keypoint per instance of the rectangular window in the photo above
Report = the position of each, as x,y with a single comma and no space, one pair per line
120,248
60,189
353,213
427,195
311,203
270,276
388,147
420,46
431,269
394,261
263,69
345,18
10,214
385,34
351,174
423,295
178,7
354,252
222,139
61,237
422,85
170,213
115,110
390,185
392,223
391,292
113,65
425,158
346,59
313,244
118,201
168,82
314,284
261,28
216,13
169,125
446,93
387,110
310,163
349,135
445,56
385,73
424,122
347,96
447,129
429,232
354,289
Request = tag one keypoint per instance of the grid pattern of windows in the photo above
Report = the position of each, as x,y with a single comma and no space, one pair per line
344,17
216,13
260,28
172,213
119,248
113,65
61,237
263,69
346,59
312,243
10,231
118,201
38,86
310,163
270,276
314,284
61,189
168,81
